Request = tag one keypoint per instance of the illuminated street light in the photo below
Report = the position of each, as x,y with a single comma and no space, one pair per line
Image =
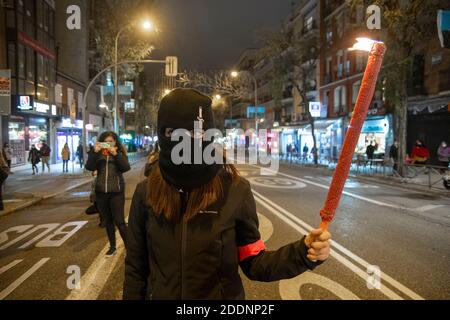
166,92
218,97
147,25
234,74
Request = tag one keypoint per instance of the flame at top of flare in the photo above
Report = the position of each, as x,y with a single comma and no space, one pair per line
364,44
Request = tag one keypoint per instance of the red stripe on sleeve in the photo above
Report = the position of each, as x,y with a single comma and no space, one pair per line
251,250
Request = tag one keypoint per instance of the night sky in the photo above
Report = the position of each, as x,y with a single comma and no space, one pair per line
211,34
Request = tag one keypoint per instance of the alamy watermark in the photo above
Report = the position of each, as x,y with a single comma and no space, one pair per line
264,151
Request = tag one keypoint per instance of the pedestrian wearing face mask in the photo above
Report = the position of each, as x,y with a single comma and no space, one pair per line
192,225
109,159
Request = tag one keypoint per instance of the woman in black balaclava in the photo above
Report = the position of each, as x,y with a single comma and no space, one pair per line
192,225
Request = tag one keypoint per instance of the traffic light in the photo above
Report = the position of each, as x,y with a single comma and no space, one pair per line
444,28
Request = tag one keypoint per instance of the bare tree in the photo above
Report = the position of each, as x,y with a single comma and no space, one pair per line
295,61
218,82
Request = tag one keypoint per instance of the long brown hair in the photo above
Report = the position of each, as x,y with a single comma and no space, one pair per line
165,199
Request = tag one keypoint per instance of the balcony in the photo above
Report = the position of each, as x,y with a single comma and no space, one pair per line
327,79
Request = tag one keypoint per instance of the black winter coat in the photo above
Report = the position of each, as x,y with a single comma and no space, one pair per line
110,171
199,259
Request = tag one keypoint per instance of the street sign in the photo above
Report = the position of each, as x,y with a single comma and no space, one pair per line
171,66
5,92
314,109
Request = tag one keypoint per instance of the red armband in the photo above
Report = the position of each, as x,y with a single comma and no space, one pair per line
251,250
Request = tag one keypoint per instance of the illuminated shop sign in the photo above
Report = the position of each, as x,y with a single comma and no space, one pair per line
25,103
41,107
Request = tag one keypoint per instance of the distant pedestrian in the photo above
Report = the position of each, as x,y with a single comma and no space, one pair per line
45,156
34,158
4,173
7,154
420,153
65,155
110,160
444,156
305,152
370,152
80,154
393,155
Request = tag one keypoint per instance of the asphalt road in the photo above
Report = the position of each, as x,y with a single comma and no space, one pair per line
388,243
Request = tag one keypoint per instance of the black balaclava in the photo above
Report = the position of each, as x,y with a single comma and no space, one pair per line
179,110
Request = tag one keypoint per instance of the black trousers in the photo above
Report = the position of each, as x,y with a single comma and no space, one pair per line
111,207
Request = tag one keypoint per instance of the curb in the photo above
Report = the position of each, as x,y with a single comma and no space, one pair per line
403,186
53,195
376,180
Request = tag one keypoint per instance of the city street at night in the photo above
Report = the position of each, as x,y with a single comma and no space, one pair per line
403,233
241,158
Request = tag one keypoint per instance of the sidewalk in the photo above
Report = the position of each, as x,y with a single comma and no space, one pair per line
22,189
381,175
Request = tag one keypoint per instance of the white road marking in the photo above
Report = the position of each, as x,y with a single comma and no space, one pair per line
265,227
429,207
13,286
276,183
290,289
304,228
95,278
379,203
9,266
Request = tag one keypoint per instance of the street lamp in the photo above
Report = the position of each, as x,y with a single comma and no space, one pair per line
218,97
146,25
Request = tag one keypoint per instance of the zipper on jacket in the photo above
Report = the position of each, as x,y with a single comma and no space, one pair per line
118,183
106,176
185,196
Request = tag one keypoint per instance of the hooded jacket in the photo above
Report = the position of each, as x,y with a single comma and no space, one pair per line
199,259
110,171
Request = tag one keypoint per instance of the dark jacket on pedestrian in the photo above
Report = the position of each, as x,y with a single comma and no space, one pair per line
199,258
110,171
34,156
393,152
80,152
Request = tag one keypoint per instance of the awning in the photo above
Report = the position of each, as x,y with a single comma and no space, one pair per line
429,105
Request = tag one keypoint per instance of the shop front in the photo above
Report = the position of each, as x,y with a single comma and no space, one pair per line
378,131
69,133
329,138
28,125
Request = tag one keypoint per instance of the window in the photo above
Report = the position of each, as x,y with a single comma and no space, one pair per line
20,23
340,99
29,18
340,25
326,98
21,60
10,19
12,58
30,64
40,69
308,24
340,64
329,34
40,13
355,91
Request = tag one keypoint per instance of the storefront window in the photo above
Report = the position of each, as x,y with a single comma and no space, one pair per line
38,131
